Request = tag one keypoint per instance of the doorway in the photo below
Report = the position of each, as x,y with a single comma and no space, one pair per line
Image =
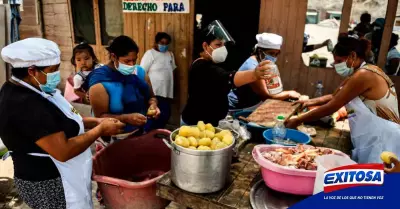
241,20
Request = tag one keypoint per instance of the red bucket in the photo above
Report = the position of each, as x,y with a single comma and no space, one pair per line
126,171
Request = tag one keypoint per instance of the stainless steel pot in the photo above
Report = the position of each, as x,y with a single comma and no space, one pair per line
199,171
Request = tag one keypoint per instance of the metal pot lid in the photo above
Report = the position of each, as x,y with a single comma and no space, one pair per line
262,197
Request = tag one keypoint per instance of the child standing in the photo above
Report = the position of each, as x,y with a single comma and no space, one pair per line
84,60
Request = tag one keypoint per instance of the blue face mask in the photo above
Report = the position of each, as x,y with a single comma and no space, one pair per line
343,70
52,81
125,69
270,58
162,48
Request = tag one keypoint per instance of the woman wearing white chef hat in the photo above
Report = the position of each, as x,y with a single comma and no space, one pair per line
268,47
44,133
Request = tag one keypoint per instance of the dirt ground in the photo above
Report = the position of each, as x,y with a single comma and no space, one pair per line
9,198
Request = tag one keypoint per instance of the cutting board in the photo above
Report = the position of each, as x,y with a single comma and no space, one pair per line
265,115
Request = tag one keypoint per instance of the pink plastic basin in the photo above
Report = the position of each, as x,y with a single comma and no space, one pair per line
126,171
285,179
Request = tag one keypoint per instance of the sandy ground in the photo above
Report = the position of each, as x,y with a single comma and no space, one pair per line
9,198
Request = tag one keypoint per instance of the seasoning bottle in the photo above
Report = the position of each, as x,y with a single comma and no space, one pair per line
274,82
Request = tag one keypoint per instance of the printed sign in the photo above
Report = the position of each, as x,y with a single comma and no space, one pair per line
156,6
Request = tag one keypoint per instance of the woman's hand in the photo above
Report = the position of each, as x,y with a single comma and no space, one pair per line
263,70
292,123
294,94
135,119
395,168
305,103
111,127
153,111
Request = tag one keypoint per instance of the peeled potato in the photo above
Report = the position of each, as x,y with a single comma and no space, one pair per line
195,132
210,127
220,145
209,134
201,126
214,142
202,135
203,148
191,147
228,139
221,134
184,131
385,156
179,141
205,142
193,141
182,141
186,142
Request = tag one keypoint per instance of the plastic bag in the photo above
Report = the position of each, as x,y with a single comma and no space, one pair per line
325,163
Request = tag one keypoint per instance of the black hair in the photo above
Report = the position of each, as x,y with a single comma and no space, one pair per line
258,52
84,47
122,46
393,40
22,73
205,36
362,29
365,17
347,44
162,35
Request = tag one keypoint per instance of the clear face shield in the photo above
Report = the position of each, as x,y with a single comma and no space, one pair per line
217,29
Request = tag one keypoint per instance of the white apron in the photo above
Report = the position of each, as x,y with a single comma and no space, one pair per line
371,134
76,172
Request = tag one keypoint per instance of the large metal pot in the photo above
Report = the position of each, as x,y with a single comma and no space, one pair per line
199,171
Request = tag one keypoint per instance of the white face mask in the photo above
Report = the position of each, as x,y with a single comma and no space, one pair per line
219,55
343,70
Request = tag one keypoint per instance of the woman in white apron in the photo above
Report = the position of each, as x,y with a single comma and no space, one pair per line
370,99
44,133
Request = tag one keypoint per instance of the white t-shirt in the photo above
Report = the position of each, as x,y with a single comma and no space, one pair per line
79,80
160,66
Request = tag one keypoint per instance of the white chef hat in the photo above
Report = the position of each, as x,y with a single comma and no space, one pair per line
31,51
269,41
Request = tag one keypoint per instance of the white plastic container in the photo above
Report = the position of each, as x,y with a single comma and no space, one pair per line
327,162
274,83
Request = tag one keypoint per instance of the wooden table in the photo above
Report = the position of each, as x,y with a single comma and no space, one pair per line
245,173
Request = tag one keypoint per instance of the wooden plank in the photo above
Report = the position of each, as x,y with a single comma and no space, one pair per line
282,30
150,31
346,12
318,140
299,78
71,22
97,26
289,46
265,22
239,187
387,32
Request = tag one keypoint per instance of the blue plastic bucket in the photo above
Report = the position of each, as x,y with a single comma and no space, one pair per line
294,135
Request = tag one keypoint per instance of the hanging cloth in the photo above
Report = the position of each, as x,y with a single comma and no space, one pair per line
15,21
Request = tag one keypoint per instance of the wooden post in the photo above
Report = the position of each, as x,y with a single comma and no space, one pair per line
346,12
387,32
97,25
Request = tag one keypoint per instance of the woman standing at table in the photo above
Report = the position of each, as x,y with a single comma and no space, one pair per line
250,96
44,133
209,84
370,99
